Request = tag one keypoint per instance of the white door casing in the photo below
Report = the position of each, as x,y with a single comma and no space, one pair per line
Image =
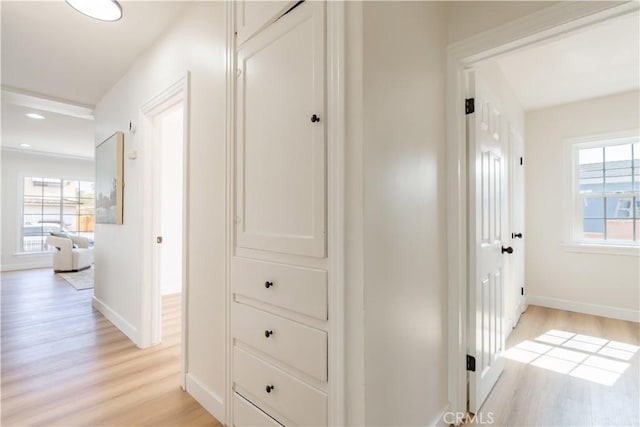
487,205
281,186
517,223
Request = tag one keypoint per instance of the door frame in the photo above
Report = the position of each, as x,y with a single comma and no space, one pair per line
551,23
151,301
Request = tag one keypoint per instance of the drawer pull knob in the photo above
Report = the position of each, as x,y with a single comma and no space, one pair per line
268,333
269,388
268,284
315,118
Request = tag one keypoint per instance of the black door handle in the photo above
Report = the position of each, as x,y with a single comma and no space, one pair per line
268,333
516,235
315,118
268,284
508,250
269,388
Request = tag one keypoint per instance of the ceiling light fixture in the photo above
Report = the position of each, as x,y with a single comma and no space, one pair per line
35,116
25,145
103,10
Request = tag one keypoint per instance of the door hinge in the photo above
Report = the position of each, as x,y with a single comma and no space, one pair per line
471,363
520,161
522,291
469,106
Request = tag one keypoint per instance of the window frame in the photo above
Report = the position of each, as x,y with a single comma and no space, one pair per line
574,214
21,209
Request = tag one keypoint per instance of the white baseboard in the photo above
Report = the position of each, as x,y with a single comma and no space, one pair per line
581,307
119,322
207,398
27,265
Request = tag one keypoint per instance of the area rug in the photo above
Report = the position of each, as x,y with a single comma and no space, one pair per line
79,279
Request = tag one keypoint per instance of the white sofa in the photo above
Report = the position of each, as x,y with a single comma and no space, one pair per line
66,257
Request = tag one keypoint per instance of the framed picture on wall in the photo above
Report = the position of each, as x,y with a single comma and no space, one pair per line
109,179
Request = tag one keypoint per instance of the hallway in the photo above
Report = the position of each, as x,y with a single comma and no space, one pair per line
568,369
63,363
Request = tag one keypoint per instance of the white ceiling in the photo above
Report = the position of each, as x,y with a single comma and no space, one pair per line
49,49
58,133
598,61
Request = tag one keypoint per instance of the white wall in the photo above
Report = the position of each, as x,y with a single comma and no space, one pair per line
196,42
15,166
404,264
467,18
552,273
171,170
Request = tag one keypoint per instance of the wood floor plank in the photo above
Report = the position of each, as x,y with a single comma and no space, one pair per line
557,394
63,363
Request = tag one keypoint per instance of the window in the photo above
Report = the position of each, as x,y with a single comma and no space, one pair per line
607,191
53,204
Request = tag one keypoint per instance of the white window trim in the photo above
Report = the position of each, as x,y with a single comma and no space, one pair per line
20,206
572,217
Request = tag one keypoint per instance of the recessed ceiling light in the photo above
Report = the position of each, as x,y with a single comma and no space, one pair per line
35,116
104,10
25,145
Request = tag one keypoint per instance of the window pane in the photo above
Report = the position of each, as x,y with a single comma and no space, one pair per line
70,209
619,229
591,170
70,189
591,181
617,166
30,189
619,207
591,156
50,187
52,204
593,229
637,207
70,222
86,223
87,189
618,180
593,207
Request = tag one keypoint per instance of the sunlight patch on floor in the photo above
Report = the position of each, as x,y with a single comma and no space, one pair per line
589,358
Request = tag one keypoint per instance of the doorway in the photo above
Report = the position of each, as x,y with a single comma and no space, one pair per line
462,58
164,142
168,215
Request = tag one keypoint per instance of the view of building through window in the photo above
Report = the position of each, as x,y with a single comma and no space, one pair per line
609,188
56,205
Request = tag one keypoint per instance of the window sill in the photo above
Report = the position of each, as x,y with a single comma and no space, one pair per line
594,248
31,254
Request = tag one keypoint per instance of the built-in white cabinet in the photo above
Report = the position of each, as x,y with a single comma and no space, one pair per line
280,135
279,269
252,16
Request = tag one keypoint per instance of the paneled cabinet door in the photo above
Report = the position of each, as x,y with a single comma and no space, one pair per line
252,16
280,146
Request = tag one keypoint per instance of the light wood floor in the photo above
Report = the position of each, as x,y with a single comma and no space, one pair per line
587,390
63,363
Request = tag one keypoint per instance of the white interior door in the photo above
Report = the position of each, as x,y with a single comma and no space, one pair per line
487,213
516,220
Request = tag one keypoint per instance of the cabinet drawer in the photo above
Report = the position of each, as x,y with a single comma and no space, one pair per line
295,344
294,399
299,289
247,415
